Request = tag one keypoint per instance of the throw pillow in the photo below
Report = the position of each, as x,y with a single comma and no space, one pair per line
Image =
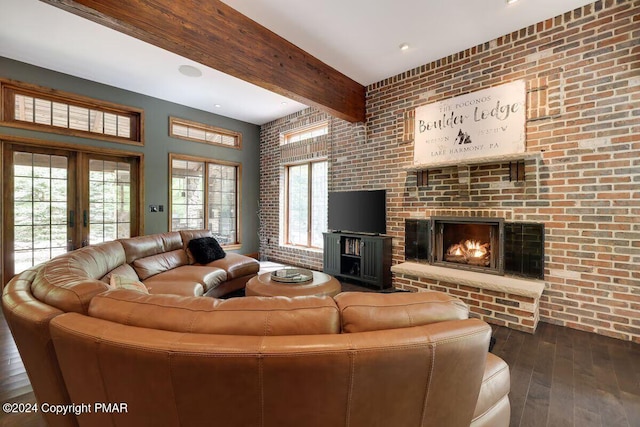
206,249
122,282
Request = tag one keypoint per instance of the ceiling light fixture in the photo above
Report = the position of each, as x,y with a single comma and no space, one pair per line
190,71
404,46
511,1
217,105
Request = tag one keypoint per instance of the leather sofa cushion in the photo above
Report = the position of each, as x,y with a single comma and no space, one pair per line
253,316
153,244
208,277
69,281
152,265
236,265
364,311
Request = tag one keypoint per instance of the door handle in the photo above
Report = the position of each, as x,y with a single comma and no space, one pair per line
72,219
85,218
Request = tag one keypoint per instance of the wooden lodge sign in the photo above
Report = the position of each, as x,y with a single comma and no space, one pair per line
484,124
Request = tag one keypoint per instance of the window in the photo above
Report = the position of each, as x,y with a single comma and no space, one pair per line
199,132
34,107
204,194
306,204
305,133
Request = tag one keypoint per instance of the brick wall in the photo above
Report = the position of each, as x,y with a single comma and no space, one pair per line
582,71
501,308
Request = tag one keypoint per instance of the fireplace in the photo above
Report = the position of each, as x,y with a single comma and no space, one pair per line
468,243
485,244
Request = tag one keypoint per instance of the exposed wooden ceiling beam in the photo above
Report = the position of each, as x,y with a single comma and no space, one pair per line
215,35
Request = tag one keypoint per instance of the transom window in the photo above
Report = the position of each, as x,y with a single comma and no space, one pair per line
200,132
306,133
204,194
306,204
32,107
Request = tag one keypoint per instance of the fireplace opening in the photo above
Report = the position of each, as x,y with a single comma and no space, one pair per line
513,248
474,244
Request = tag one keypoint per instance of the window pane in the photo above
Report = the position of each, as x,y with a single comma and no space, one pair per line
60,115
78,118
187,194
124,127
180,130
96,120
222,192
197,134
214,137
23,237
110,124
23,106
298,197
43,112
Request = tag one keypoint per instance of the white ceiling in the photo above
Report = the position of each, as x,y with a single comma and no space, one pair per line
359,38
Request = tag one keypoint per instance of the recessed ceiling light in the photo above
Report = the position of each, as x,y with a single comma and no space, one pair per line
190,71
511,1
217,105
283,103
404,46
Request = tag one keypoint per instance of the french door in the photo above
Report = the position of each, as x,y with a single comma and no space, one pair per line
57,200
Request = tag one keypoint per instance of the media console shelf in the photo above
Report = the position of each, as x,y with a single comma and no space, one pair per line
359,257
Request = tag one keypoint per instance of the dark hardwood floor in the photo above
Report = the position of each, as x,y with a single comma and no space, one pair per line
559,377
564,377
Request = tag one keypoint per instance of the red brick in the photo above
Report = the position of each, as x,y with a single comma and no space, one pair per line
588,141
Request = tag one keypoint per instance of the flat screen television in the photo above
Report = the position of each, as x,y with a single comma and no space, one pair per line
362,211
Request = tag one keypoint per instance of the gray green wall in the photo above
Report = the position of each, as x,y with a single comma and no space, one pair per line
158,144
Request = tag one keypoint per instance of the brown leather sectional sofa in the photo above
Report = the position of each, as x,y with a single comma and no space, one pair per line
171,358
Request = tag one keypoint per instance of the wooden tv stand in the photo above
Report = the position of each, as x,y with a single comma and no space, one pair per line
363,258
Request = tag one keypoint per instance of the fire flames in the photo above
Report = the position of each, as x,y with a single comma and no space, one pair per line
469,252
